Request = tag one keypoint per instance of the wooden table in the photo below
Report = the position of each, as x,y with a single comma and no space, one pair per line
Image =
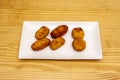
14,12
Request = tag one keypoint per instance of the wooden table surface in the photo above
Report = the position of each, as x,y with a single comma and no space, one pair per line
14,12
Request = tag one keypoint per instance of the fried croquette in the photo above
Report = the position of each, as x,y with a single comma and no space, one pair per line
42,32
59,31
77,33
40,44
79,44
57,43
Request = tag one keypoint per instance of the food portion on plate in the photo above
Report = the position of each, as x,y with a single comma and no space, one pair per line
57,43
59,31
40,44
57,34
78,43
42,32
77,33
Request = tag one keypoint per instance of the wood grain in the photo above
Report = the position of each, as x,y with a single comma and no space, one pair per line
14,12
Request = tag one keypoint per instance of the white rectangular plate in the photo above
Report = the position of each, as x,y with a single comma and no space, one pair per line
93,48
